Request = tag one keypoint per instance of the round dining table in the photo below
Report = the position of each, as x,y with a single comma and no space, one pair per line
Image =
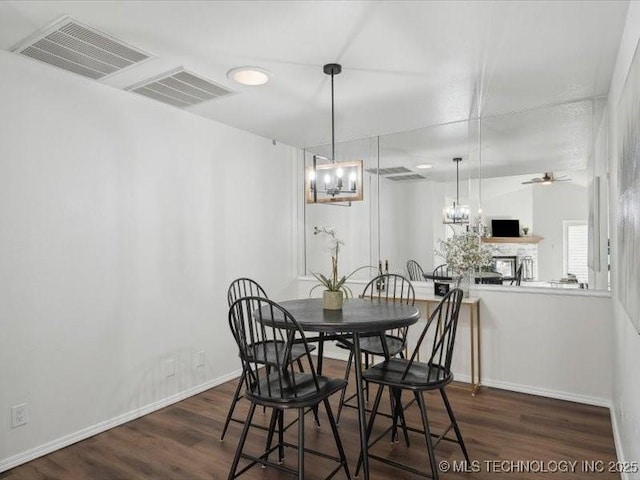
358,316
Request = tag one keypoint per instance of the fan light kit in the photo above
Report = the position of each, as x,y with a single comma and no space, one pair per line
547,179
424,166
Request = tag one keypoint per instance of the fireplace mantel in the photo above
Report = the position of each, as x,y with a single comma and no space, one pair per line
525,239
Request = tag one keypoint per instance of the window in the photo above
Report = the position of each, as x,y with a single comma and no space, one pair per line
576,241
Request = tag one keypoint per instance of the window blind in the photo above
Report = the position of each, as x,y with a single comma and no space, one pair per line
577,247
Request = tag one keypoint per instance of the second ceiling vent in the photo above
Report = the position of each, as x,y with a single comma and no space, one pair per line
180,88
389,170
404,178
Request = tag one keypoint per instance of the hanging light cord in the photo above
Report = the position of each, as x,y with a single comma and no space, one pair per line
332,69
333,125
457,182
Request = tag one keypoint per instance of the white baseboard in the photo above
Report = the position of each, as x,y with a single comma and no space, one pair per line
83,434
515,387
542,392
618,442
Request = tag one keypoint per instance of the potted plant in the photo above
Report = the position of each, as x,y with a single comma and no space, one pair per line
464,253
334,284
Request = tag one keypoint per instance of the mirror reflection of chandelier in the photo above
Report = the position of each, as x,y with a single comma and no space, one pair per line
456,213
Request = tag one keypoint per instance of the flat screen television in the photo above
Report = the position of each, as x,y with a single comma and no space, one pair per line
505,228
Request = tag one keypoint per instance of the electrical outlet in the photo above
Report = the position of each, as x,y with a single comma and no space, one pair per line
19,415
198,359
170,367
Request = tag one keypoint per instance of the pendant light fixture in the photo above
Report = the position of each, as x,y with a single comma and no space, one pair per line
456,214
333,181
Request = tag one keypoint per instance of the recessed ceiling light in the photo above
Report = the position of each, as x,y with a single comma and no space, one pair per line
424,166
251,76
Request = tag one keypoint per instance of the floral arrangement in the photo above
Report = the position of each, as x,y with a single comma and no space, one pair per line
333,283
465,252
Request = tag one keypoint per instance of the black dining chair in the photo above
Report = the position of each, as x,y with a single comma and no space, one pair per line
416,274
400,374
396,289
255,322
246,287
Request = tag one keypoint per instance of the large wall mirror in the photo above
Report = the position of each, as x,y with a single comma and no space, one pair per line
413,202
355,223
546,168
543,169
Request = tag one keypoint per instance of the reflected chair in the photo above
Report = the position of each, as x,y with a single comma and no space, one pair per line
255,322
246,287
387,287
399,374
442,272
518,278
416,274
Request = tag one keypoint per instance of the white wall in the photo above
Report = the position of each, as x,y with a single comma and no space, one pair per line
354,224
626,348
352,227
406,222
122,222
506,197
548,343
552,204
543,342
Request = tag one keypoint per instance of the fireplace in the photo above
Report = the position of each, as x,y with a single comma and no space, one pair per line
505,265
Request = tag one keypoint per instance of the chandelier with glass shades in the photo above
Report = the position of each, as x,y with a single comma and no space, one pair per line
456,213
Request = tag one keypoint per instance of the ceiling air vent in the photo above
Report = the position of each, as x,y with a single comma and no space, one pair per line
78,48
389,171
180,88
400,178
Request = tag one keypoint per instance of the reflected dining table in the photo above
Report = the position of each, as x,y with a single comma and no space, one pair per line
484,278
358,317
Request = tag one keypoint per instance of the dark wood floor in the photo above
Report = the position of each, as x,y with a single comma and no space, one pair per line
181,442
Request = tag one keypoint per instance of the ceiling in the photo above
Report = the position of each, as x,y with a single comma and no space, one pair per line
406,65
547,139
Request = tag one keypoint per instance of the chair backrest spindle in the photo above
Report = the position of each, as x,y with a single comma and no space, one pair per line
518,278
443,322
443,272
396,289
416,274
255,321
244,287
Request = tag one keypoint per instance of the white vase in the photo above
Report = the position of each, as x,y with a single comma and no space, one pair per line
464,283
332,300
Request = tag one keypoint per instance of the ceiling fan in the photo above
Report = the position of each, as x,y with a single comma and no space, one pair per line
547,179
